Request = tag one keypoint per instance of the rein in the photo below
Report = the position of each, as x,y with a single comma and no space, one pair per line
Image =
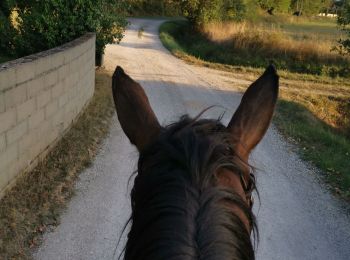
248,187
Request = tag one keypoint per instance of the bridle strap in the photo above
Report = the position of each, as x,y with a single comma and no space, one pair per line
248,187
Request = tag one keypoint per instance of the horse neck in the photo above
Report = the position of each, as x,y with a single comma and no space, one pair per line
174,219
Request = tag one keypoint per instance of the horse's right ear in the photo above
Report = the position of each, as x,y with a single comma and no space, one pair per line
252,118
134,112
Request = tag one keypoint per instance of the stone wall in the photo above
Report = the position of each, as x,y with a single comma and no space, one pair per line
40,96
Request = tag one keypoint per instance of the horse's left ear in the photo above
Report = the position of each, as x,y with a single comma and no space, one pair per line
134,112
253,116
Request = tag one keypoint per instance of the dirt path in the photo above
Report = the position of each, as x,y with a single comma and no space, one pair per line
297,218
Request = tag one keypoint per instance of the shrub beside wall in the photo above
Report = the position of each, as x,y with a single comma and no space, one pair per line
32,26
40,96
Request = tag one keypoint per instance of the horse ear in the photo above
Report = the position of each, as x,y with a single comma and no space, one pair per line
253,116
134,112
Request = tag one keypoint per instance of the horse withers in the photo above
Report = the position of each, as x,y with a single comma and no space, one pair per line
192,195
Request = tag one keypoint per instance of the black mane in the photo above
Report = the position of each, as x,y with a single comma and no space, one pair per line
177,210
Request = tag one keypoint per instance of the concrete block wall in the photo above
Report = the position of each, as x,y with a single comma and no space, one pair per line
40,96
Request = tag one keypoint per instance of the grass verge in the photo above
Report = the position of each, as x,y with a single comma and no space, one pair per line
317,142
34,204
313,110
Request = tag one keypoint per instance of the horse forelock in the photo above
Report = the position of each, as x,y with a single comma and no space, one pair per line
177,209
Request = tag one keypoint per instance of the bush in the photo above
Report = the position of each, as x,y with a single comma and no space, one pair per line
200,12
153,7
344,22
41,25
272,5
6,32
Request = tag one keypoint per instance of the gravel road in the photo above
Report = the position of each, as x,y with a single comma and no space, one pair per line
297,217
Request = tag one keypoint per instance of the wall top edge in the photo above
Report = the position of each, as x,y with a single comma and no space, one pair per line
43,54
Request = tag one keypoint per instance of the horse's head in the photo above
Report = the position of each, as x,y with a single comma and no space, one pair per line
194,182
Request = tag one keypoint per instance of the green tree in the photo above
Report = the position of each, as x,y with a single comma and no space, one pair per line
327,6
344,22
200,12
233,10
46,24
275,5
6,29
308,7
153,7
251,9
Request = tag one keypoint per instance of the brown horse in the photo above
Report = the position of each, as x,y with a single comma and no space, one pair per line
192,195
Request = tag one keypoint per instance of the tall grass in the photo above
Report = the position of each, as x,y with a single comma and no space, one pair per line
254,45
270,41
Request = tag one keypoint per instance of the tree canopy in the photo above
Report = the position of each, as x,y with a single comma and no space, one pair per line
309,7
199,12
202,11
29,26
275,5
344,22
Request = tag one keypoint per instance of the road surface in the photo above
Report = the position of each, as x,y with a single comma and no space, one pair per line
297,217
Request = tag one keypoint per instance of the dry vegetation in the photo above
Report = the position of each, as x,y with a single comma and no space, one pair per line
272,40
300,46
33,205
329,103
